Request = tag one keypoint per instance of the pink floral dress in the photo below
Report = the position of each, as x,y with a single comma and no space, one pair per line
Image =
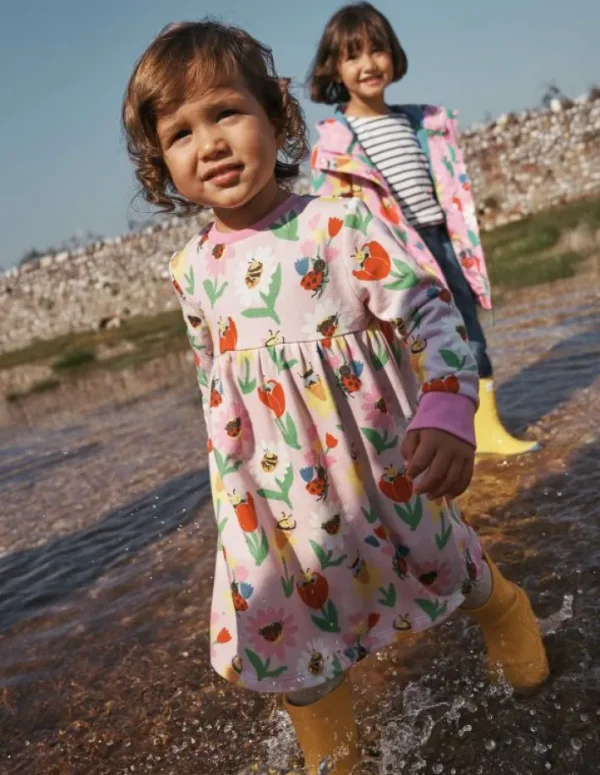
315,338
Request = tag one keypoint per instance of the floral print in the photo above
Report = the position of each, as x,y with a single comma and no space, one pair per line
325,552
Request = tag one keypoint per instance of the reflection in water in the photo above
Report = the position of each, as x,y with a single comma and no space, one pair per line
106,552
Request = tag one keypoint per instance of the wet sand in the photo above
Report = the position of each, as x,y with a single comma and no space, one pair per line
106,552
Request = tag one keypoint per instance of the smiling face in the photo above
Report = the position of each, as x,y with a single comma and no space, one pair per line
220,150
366,74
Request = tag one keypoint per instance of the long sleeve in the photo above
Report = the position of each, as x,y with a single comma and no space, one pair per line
198,332
396,289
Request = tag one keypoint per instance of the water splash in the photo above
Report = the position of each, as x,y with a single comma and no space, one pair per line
552,623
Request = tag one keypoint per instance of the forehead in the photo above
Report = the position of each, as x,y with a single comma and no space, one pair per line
203,96
367,35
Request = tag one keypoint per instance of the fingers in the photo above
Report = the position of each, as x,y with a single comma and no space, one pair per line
437,466
409,445
421,460
450,486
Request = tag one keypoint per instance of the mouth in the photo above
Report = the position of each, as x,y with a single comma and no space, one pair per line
223,174
372,80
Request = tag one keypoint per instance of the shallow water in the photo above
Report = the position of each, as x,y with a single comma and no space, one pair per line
106,542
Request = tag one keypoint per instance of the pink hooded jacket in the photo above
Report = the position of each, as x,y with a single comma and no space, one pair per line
340,167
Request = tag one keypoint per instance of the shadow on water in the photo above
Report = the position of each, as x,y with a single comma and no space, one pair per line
535,391
34,578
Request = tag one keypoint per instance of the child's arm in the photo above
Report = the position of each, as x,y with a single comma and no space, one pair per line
394,288
198,332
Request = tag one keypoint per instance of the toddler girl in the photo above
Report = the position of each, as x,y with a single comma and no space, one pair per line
332,469
404,161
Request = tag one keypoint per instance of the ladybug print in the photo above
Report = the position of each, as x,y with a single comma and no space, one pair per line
234,428
348,377
240,594
216,393
317,481
314,274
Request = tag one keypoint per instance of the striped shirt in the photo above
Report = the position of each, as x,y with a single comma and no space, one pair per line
391,144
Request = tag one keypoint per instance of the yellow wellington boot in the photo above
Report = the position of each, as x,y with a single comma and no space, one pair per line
326,731
491,436
512,634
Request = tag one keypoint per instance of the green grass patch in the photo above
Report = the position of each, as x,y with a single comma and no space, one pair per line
43,386
535,271
75,359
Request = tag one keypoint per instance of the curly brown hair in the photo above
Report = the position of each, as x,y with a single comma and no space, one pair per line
345,35
182,59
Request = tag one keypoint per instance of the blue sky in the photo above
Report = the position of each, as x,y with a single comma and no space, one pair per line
65,63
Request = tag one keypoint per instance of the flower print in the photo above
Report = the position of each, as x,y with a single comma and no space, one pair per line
330,253
316,663
334,226
272,396
359,629
224,636
245,511
271,631
395,485
376,410
227,334
308,247
216,258
232,432
270,462
449,384
255,275
313,590
373,262
390,211
367,578
436,576
317,454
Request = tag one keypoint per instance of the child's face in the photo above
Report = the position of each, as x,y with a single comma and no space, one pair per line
220,148
366,74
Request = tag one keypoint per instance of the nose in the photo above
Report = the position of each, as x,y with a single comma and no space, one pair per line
367,61
211,144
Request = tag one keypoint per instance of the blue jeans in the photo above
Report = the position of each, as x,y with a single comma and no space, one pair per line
437,240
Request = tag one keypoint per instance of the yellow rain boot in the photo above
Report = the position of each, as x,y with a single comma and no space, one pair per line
326,731
491,436
512,634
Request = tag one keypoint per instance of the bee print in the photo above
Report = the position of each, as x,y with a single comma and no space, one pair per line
254,273
333,525
237,664
373,262
271,632
314,275
274,339
216,393
317,481
287,523
360,571
462,332
349,377
402,623
234,428
269,462
316,663
313,383
227,334
418,345
382,406
218,252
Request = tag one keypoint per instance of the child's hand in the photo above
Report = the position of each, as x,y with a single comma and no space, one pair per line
447,459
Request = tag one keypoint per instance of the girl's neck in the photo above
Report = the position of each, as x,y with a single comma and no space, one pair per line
259,207
360,108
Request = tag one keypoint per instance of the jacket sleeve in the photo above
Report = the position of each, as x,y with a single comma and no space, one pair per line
198,331
396,289
326,182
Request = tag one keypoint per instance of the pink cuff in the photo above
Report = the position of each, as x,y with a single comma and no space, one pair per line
450,412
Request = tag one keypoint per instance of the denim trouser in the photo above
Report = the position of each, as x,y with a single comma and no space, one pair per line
437,240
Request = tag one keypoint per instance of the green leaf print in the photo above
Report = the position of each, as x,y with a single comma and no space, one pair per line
452,151
388,596
202,377
369,515
269,299
190,281
442,538
220,526
247,385
380,358
283,494
410,514
381,443
258,546
287,227
473,238
287,581
448,166
329,622
213,291
357,222
405,277
326,558
225,466
279,361
288,430
433,609
261,668
452,359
